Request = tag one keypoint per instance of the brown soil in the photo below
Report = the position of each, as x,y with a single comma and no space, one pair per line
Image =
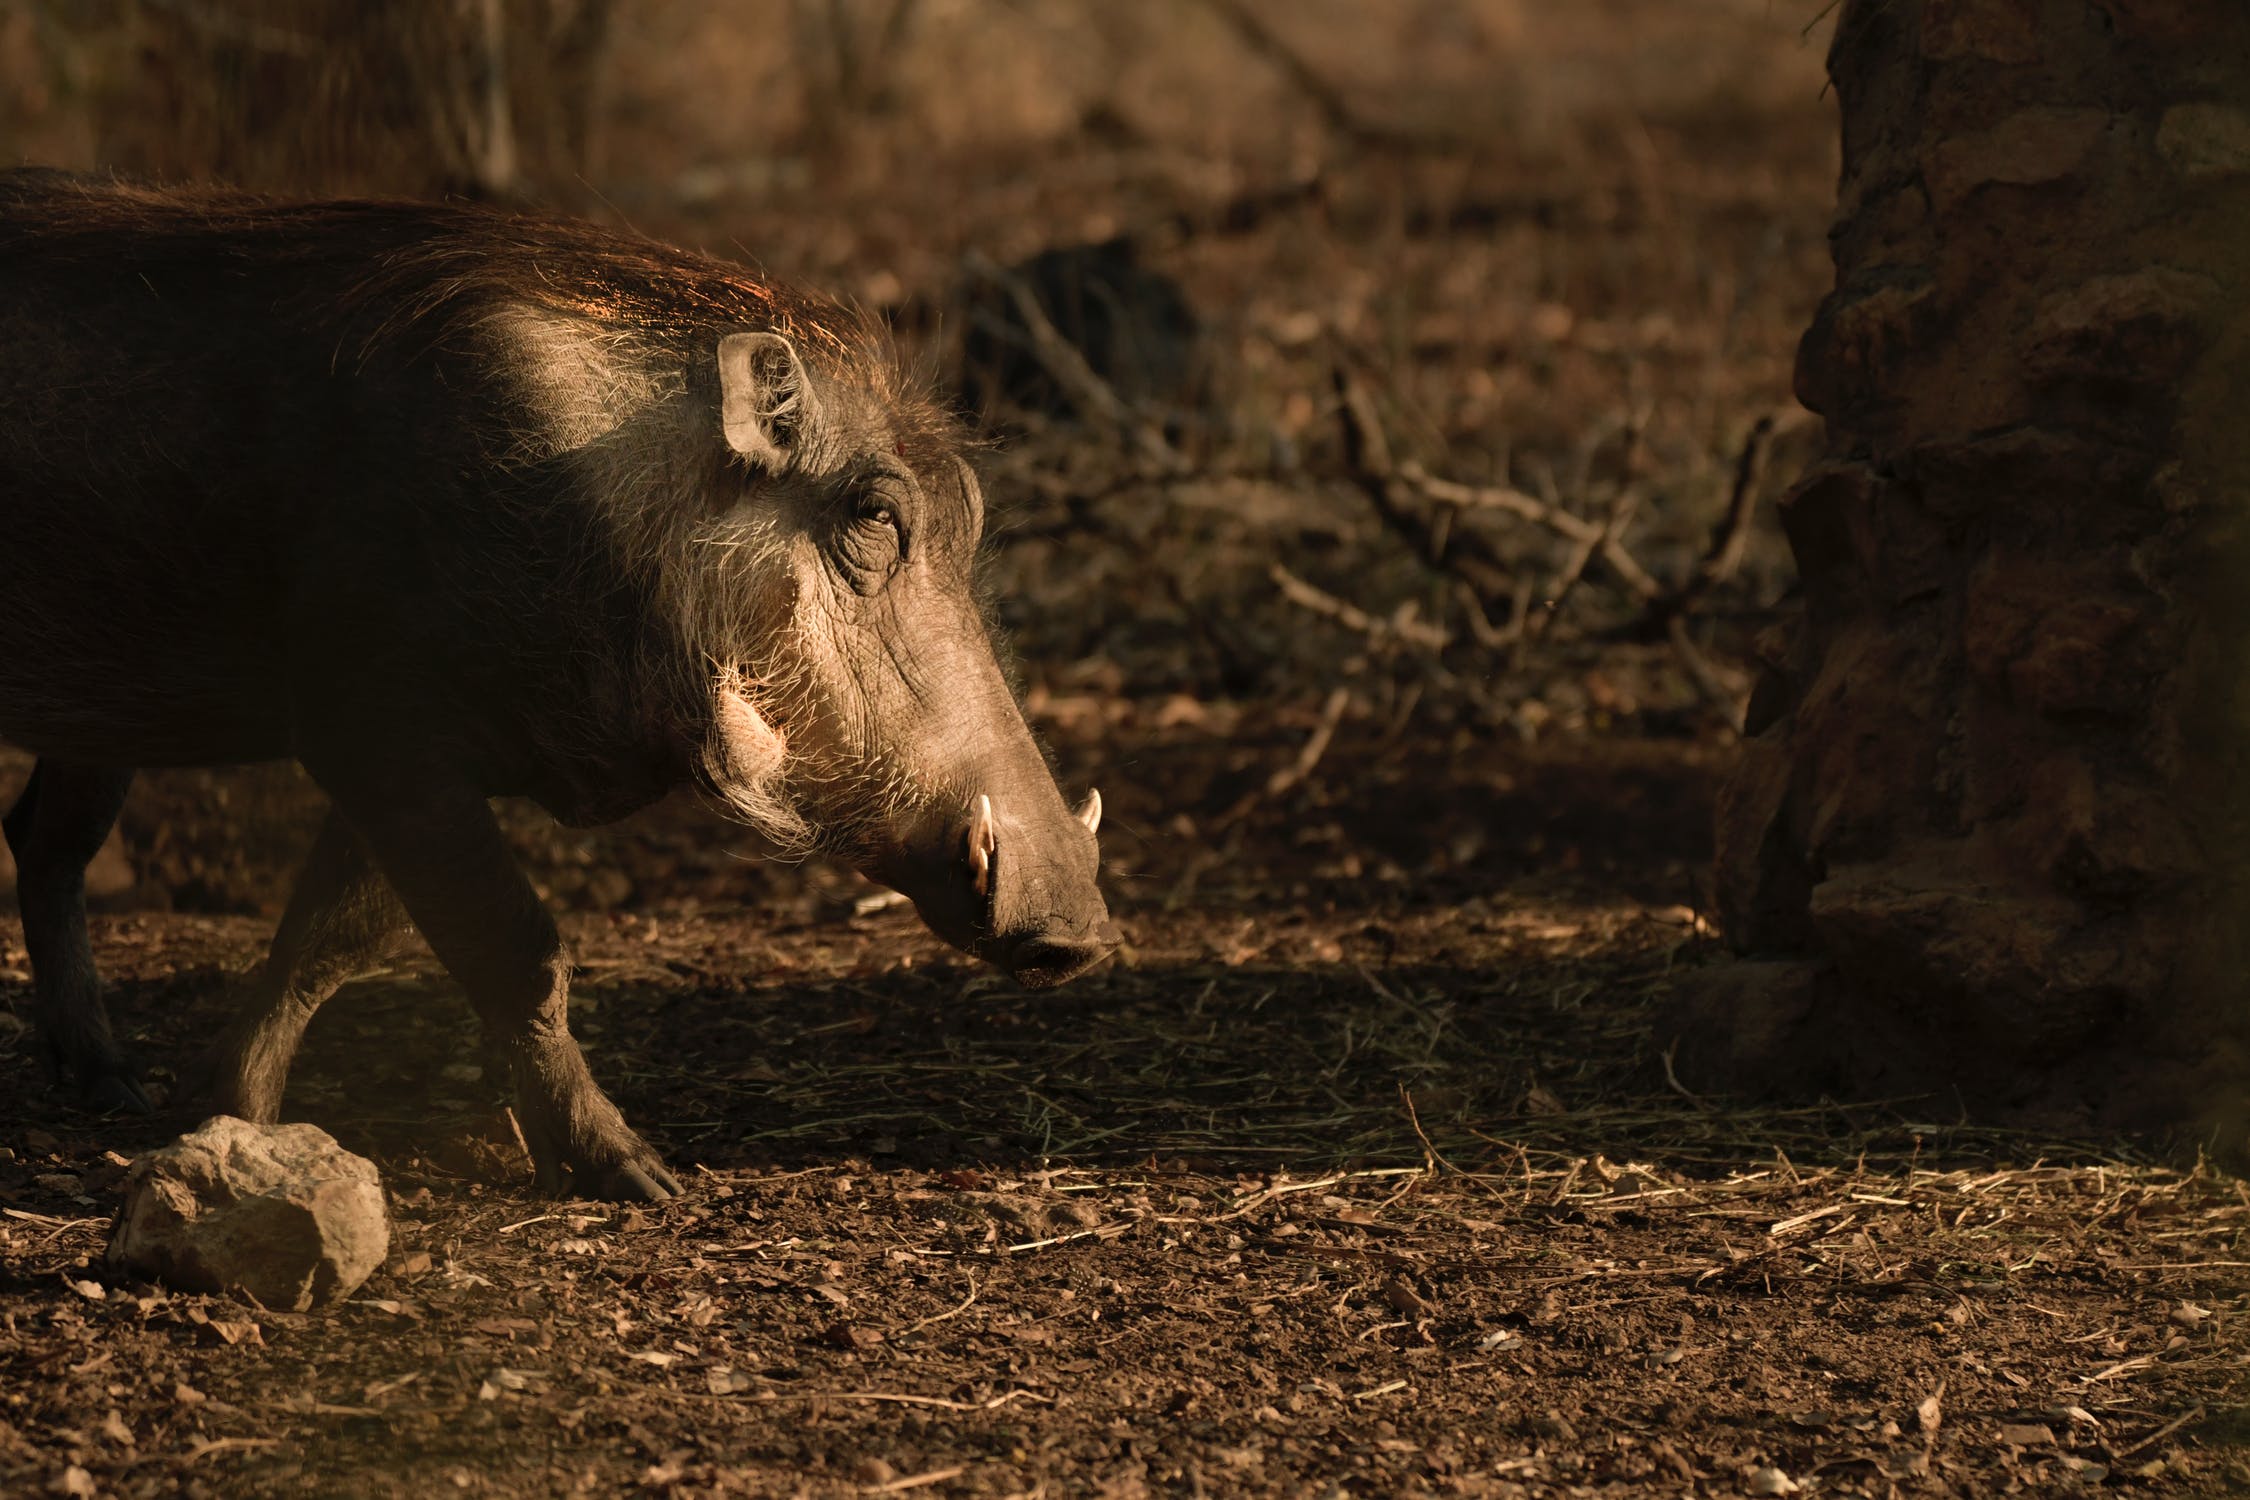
1362,1171
1358,1172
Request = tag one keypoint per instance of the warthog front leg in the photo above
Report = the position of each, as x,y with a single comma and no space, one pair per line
343,920
443,853
56,827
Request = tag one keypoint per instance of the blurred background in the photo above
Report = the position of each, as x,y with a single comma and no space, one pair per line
1387,400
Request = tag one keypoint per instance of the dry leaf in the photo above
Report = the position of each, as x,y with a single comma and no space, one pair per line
1932,1410
502,1379
1770,1482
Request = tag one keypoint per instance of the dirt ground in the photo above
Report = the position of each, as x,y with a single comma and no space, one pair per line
1362,1169
1360,1183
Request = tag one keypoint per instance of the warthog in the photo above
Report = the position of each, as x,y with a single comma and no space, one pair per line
449,504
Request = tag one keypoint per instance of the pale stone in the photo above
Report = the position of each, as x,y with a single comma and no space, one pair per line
280,1211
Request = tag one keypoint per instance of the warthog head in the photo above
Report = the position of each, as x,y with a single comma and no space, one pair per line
859,706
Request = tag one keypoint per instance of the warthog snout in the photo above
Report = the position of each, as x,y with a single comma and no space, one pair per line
1043,918
1011,879
1038,960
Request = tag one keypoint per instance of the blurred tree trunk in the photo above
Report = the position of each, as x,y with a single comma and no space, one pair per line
1993,806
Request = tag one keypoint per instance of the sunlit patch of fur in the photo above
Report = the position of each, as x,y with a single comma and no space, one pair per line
833,781
623,411
579,380
848,777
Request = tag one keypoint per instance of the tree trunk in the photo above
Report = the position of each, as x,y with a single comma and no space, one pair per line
1992,805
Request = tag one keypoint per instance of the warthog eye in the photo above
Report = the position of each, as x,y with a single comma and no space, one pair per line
872,542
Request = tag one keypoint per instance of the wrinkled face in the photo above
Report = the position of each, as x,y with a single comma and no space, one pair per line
873,718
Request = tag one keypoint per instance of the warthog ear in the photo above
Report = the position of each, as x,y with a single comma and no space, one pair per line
766,401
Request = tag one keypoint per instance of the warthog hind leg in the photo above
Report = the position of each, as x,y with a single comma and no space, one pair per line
54,830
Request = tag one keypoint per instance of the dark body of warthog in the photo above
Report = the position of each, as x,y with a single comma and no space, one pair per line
448,504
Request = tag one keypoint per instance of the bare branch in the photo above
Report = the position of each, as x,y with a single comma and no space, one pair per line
1732,538
1729,540
1318,600
1620,512
1471,556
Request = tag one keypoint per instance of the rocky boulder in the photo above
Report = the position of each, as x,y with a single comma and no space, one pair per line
280,1211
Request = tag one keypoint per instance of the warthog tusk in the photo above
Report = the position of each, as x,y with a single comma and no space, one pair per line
984,842
1090,812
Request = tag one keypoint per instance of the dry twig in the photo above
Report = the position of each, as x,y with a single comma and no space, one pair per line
1399,627
1729,540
